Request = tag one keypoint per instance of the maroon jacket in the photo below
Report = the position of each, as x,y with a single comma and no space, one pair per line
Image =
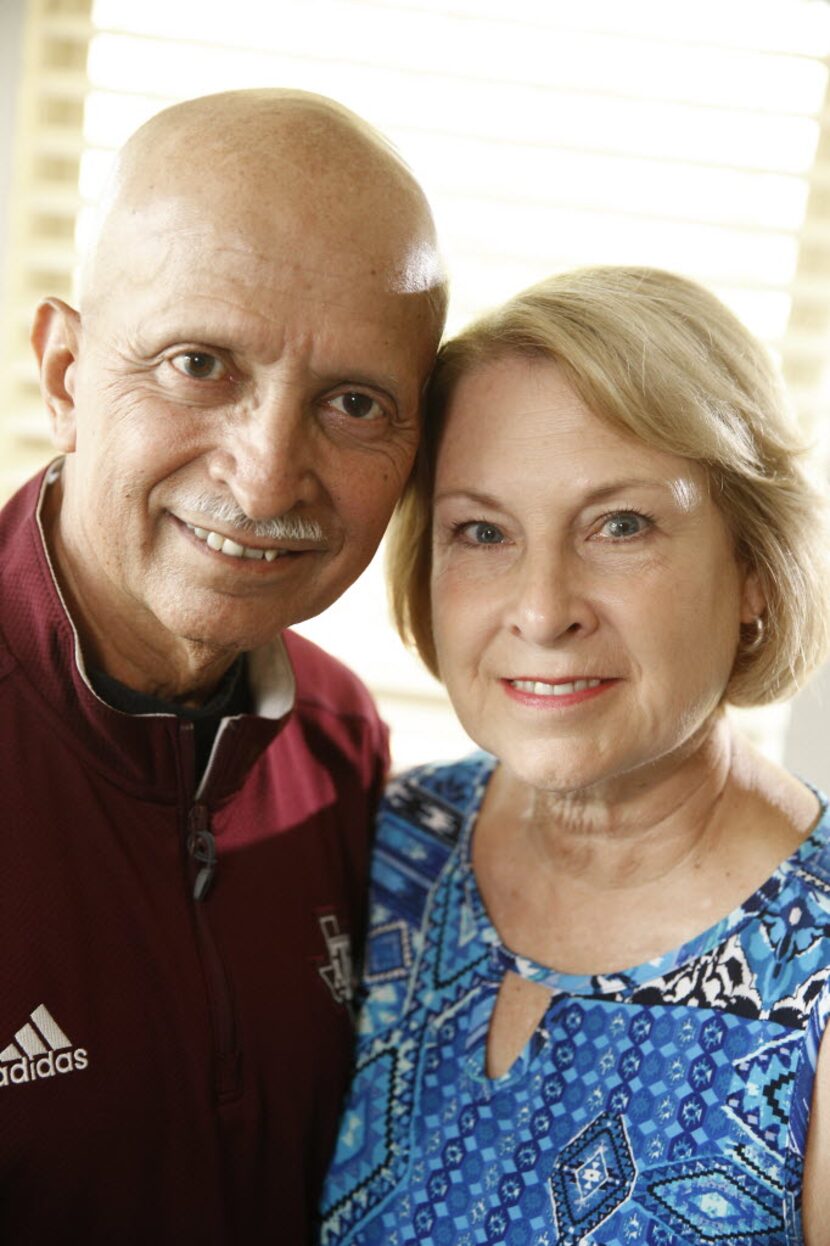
170,1068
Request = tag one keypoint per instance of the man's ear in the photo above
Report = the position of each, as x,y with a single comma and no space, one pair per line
753,599
56,338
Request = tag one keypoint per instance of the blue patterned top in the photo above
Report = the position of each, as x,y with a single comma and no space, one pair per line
665,1105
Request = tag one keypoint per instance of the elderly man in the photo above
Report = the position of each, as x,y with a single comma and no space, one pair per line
188,791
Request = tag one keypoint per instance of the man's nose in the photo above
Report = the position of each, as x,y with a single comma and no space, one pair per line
550,597
267,452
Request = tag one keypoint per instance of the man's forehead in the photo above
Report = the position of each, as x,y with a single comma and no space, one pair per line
237,320
169,237
339,311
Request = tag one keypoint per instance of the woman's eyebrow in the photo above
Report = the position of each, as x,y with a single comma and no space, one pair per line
592,495
629,482
467,495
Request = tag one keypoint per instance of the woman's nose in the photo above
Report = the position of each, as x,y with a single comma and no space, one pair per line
550,598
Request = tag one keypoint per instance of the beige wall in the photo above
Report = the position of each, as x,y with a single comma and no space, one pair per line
807,743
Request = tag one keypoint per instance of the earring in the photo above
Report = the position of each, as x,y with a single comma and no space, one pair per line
757,639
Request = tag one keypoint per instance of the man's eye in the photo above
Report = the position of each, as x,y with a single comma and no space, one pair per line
357,405
625,524
199,365
481,533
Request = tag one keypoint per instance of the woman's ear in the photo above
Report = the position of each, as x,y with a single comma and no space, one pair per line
753,600
56,338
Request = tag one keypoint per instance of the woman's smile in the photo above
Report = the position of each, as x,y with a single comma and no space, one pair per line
547,694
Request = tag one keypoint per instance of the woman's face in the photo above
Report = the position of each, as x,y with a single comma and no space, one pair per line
586,597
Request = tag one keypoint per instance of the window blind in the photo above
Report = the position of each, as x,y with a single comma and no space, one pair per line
42,211
546,135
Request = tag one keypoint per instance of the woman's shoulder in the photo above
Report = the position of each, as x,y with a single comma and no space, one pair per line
420,824
805,874
816,848
423,815
438,796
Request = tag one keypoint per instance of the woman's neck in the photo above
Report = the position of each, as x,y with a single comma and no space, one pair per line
600,880
629,830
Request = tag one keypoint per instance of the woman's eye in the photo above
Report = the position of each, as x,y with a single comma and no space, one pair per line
624,524
482,533
199,366
357,406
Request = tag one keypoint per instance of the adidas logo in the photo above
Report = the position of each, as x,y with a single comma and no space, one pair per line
40,1049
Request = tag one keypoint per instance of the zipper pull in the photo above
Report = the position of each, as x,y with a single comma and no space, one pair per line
202,847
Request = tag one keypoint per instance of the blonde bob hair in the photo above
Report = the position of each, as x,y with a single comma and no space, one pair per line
660,359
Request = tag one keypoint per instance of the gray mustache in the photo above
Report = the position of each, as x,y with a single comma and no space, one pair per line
286,527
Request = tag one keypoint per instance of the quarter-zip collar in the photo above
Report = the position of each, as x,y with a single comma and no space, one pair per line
141,753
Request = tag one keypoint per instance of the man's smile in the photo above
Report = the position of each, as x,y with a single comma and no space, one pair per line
224,545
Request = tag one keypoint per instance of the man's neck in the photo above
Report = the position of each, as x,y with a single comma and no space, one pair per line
230,692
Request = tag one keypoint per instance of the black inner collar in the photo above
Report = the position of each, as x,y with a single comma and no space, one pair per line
232,697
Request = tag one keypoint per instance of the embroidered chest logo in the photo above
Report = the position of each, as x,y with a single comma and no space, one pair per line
40,1050
338,973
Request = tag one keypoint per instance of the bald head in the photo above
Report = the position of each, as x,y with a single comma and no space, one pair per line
241,161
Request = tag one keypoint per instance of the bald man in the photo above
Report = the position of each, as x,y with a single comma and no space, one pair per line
187,787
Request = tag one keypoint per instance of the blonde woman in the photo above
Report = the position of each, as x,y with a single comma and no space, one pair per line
597,975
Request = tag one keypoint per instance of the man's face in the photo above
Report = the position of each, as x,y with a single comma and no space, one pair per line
234,374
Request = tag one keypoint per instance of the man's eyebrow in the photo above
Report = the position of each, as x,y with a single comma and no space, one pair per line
159,335
357,376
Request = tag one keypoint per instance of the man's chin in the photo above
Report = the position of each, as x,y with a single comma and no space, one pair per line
221,631
237,624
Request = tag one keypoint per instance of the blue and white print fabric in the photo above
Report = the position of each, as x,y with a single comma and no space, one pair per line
666,1105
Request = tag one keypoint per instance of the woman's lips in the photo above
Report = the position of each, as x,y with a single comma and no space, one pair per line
530,690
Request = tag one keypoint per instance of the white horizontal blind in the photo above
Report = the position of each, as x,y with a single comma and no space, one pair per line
41,213
546,134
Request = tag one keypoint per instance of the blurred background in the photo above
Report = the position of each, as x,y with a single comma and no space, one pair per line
546,133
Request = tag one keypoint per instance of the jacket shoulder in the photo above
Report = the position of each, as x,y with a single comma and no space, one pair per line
20,574
7,660
325,683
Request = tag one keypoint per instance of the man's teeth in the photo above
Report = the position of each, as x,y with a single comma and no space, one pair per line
224,545
539,689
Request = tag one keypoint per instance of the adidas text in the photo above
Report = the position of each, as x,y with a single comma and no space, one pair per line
24,1070
40,1049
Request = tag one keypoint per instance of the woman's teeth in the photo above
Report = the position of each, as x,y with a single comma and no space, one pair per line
224,545
538,689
